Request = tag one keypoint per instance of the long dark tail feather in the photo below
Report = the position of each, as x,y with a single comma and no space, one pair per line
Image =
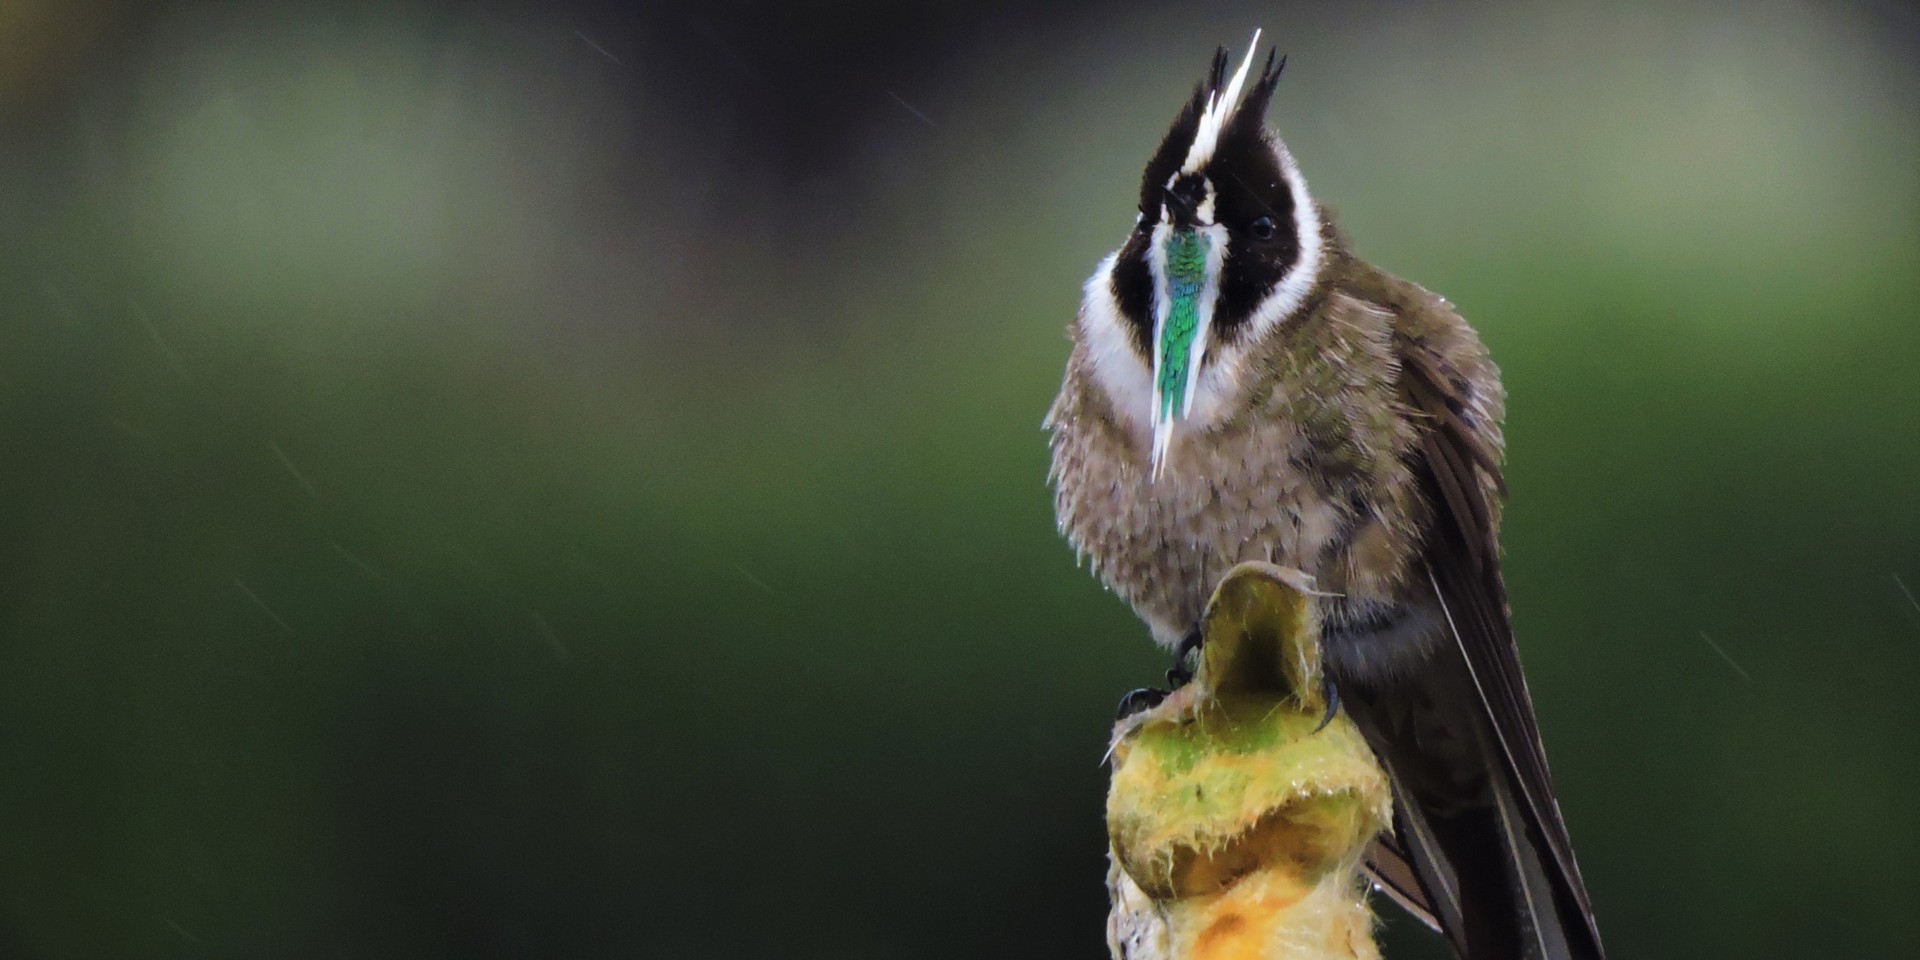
1460,829
1549,899
1391,869
1538,923
1492,923
1438,884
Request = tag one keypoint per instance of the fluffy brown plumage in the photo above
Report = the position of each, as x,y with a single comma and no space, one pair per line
1312,469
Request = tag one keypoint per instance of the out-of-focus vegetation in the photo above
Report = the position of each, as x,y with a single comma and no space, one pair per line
553,480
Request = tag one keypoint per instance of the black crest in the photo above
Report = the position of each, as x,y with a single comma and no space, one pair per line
1243,134
1173,147
1249,186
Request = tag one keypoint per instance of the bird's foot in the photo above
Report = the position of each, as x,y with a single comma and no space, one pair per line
1179,675
1184,653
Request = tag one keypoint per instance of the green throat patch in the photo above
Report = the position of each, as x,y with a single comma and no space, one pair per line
1186,252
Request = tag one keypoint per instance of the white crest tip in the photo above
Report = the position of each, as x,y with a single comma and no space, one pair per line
1220,107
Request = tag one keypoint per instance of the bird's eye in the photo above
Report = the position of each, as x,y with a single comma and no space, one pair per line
1262,229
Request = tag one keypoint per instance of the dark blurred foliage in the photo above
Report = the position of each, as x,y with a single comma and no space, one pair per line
514,479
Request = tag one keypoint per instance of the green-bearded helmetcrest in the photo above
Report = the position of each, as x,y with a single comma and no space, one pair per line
1296,405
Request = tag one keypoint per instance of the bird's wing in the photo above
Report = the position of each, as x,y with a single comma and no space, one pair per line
1460,468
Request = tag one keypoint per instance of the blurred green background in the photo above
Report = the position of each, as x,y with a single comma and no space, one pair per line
565,480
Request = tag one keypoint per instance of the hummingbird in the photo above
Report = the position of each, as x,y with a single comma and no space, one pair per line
1242,386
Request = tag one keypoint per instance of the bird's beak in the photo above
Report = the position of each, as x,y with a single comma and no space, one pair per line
1181,209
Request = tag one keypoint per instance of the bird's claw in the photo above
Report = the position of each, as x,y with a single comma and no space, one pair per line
1188,644
1180,674
1332,695
1135,701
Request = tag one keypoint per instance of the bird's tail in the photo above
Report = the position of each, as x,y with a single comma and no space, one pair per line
1481,861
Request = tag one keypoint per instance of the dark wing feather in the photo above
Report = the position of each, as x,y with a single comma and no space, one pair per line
1463,561
1392,871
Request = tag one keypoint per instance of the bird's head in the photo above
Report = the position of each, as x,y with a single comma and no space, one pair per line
1227,244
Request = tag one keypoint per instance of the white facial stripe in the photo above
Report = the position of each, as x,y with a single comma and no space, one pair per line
1297,282
1162,306
1108,338
1209,298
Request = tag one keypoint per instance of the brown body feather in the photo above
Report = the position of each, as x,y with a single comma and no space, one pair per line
1315,468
